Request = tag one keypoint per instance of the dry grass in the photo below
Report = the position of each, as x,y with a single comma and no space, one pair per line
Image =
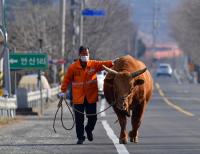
6,121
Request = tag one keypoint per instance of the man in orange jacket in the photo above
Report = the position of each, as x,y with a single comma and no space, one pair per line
82,75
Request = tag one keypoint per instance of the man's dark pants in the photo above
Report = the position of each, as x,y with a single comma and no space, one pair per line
79,118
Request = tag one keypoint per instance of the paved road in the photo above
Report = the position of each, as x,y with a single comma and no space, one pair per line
171,125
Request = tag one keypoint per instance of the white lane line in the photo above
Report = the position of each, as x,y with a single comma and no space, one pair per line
103,103
121,149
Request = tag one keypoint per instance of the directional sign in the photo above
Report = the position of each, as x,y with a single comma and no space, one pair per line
28,61
93,12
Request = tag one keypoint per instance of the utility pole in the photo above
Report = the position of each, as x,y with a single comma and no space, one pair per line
62,21
40,81
7,78
155,23
81,21
73,14
1,14
136,44
75,7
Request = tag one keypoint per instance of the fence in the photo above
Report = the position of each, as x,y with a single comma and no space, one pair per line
8,106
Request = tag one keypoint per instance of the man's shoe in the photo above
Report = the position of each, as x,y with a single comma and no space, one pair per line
89,135
80,142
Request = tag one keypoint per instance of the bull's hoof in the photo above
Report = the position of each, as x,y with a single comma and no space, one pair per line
123,141
135,140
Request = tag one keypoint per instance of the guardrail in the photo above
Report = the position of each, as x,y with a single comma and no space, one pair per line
55,91
8,106
34,98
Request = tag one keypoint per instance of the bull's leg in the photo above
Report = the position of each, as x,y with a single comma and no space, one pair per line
123,139
138,111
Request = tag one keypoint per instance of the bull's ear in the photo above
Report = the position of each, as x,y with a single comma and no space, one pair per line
138,82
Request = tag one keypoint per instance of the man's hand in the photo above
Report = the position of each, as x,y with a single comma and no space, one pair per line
61,95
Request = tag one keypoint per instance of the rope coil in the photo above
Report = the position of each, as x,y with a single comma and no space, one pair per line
61,116
72,114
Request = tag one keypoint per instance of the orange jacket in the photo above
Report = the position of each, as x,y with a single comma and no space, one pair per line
84,81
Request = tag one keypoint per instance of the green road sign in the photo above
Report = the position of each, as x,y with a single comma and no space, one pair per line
28,61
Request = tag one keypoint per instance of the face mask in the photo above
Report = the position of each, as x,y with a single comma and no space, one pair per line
84,58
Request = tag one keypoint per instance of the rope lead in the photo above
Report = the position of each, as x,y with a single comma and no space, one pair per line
72,114
61,116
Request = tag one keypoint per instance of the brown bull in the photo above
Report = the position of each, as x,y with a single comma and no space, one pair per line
128,86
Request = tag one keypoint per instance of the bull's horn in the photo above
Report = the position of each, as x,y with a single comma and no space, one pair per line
137,73
110,70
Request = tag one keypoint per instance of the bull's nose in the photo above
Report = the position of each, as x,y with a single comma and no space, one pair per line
120,107
125,105
126,112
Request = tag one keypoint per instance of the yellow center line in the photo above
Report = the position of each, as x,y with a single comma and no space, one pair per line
171,103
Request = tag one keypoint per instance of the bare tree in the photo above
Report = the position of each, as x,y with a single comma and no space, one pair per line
33,22
185,23
109,36
113,34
